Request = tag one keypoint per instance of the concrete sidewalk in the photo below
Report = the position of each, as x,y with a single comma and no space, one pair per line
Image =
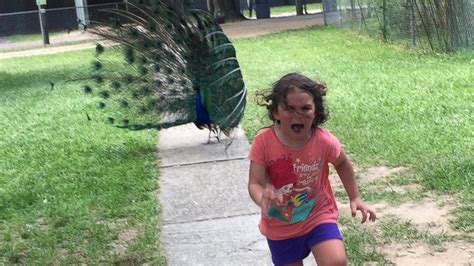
208,217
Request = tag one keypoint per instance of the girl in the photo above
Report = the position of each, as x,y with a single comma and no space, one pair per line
288,176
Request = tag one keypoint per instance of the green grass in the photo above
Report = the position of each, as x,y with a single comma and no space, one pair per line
32,37
388,105
69,187
278,10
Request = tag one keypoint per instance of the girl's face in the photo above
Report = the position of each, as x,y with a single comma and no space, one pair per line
296,116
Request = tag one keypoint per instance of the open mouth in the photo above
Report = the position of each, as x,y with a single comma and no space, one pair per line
297,128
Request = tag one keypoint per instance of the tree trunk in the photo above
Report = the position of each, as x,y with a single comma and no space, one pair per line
225,10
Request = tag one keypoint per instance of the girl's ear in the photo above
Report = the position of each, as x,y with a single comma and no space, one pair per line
276,116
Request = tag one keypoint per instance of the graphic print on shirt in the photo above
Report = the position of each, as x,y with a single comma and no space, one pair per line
295,181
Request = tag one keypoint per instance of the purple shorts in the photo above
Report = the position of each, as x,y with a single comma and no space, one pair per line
297,248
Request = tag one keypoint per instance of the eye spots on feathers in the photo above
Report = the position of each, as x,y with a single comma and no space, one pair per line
87,89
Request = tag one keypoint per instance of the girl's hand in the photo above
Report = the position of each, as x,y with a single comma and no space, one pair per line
269,195
357,204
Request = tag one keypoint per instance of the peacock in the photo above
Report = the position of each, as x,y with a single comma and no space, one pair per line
176,67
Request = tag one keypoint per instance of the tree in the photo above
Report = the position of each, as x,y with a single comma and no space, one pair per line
225,10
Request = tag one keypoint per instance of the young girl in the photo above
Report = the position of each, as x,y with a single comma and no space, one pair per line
288,176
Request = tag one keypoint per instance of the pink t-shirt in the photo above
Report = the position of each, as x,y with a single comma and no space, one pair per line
301,175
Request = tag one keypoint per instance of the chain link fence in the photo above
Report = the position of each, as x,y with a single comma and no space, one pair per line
438,25
57,19
68,18
60,19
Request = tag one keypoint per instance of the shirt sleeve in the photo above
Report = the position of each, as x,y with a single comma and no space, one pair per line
333,146
257,150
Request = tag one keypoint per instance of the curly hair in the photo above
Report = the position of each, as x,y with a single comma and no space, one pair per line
288,83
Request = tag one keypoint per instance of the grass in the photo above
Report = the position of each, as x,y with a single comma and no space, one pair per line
71,188
32,37
388,105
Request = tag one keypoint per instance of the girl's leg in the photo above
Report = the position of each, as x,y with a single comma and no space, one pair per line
330,252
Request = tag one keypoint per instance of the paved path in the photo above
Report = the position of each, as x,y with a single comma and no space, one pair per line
208,217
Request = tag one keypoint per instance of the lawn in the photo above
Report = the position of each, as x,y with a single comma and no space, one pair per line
388,106
71,190
74,190
33,37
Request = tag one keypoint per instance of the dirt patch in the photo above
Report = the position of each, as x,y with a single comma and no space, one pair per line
426,215
370,175
431,215
454,253
125,238
375,173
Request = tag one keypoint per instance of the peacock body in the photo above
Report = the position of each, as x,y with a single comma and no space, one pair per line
177,67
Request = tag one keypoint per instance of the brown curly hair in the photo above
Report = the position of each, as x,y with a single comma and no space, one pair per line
288,83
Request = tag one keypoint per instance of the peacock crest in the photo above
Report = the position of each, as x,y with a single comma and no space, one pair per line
174,67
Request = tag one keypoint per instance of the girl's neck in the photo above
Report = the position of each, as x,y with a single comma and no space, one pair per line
291,143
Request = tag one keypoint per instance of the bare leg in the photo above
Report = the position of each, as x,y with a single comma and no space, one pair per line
330,252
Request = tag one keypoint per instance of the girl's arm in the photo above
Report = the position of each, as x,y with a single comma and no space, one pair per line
345,171
261,191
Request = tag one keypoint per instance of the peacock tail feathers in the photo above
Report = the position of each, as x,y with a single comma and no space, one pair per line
175,67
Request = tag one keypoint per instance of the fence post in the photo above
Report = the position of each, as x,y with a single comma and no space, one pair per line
42,19
384,20
325,10
413,23
339,7
299,7
262,8
353,7
82,14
